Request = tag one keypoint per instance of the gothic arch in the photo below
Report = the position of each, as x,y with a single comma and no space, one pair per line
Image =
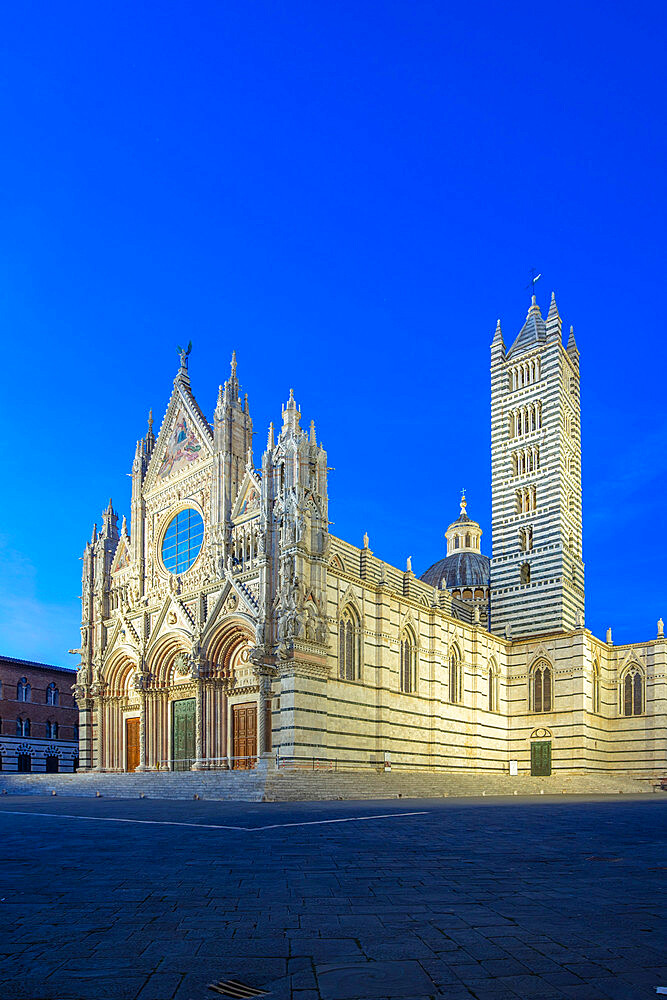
116,671
162,655
225,644
336,563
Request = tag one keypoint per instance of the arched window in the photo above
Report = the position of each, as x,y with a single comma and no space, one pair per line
23,690
632,691
52,694
455,677
22,727
51,730
408,662
75,729
540,687
596,688
349,634
493,688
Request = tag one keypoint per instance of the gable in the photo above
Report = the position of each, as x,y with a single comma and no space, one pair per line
121,559
248,498
183,446
184,439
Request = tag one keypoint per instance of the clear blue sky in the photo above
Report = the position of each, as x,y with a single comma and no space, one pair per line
349,194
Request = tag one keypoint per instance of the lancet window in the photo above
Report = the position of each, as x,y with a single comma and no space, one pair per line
632,691
52,694
408,678
455,677
595,693
541,687
349,646
493,687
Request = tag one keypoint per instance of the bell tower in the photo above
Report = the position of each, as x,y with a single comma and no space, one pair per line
537,572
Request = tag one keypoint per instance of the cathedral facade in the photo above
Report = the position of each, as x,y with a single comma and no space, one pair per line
225,626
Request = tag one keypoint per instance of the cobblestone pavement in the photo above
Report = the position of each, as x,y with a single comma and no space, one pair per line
469,898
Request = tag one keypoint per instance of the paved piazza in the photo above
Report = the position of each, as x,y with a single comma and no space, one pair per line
493,900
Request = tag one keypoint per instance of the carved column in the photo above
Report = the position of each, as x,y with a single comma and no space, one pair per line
199,726
142,731
99,766
264,700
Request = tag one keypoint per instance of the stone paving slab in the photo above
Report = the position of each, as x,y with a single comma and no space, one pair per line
469,901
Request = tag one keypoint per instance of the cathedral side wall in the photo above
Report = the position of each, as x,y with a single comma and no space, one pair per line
371,716
587,726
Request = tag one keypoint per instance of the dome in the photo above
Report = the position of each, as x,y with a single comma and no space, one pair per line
464,565
461,569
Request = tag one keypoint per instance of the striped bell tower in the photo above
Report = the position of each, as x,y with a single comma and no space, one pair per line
537,573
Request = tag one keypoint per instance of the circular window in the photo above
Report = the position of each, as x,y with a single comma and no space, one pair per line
182,540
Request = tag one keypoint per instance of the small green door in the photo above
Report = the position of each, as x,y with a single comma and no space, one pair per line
540,758
183,734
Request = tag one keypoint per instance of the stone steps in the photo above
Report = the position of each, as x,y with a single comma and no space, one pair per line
291,785
297,785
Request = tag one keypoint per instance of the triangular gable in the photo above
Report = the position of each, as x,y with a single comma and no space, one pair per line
184,439
121,559
173,616
248,498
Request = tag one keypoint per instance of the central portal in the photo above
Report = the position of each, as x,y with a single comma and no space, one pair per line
183,734
244,728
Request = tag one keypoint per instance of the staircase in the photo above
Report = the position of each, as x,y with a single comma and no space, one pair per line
233,786
293,785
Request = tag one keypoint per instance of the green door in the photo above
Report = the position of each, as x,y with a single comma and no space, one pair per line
540,758
183,734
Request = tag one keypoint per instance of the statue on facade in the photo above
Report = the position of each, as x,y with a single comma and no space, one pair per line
183,354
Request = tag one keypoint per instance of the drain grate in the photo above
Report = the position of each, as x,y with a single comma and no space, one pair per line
232,988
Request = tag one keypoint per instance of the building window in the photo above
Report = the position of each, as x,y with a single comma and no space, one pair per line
349,636
493,688
632,692
51,730
408,663
75,729
22,727
525,573
540,688
23,690
52,695
455,677
24,761
596,688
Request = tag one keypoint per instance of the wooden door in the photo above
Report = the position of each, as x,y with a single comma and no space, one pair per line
131,744
244,729
540,758
183,734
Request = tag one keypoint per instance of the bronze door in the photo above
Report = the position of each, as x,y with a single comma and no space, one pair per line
244,728
131,744
540,758
183,734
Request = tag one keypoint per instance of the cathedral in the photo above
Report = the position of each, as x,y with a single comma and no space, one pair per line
224,626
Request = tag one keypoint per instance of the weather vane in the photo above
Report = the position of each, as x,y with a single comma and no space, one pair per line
534,277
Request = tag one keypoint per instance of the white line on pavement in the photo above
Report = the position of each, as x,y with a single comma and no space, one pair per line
213,826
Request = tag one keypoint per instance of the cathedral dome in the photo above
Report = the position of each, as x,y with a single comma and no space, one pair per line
464,565
461,569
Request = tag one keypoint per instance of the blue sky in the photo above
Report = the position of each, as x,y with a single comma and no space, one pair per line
349,195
